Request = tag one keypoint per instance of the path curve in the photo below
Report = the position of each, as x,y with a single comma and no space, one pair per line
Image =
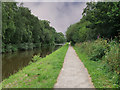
73,74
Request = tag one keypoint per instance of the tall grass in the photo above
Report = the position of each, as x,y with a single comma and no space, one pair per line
104,54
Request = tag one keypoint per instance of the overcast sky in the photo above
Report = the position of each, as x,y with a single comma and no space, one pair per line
60,14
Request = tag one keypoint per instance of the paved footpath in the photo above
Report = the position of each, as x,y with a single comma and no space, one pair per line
73,73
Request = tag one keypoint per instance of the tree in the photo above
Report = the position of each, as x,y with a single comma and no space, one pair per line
100,19
20,26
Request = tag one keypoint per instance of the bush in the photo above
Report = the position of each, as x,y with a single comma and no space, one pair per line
8,48
35,58
108,53
30,45
14,48
23,46
37,45
99,48
95,49
3,47
113,57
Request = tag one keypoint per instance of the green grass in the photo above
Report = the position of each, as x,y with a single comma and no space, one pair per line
41,74
0,86
101,78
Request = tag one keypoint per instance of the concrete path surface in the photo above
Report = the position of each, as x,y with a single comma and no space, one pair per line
73,73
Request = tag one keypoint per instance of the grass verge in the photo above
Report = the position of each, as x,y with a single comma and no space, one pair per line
41,74
100,76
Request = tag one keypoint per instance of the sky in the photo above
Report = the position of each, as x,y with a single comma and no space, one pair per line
60,14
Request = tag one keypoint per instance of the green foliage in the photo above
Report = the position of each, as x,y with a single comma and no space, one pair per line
101,77
35,58
3,47
30,45
105,53
59,38
37,45
9,48
99,48
99,19
40,74
95,49
20,26
104,18
113,57
23,46
14,48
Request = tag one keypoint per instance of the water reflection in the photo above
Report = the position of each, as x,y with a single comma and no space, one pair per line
12,62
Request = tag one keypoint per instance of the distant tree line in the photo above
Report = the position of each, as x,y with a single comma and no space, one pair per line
23,30
100,19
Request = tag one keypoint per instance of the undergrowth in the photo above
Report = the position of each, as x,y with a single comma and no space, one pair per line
102,59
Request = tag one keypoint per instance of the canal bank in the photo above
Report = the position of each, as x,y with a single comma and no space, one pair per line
12,62
41,74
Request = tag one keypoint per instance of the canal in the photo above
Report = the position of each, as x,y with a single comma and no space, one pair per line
12,62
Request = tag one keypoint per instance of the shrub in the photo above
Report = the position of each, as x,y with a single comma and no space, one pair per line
23,46
8,48
95,49
14,48
108,52
3,47
37,45
30,45
35,58
113,57
99,48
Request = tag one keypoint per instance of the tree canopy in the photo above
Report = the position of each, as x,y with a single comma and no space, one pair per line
100,19
20,26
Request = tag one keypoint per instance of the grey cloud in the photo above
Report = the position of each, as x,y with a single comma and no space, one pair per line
60,14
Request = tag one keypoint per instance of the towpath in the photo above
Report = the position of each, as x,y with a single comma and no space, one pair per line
73,74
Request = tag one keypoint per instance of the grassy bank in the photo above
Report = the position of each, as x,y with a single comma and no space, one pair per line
101,58
41,74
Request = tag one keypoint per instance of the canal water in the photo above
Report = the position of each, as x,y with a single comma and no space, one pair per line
12,62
